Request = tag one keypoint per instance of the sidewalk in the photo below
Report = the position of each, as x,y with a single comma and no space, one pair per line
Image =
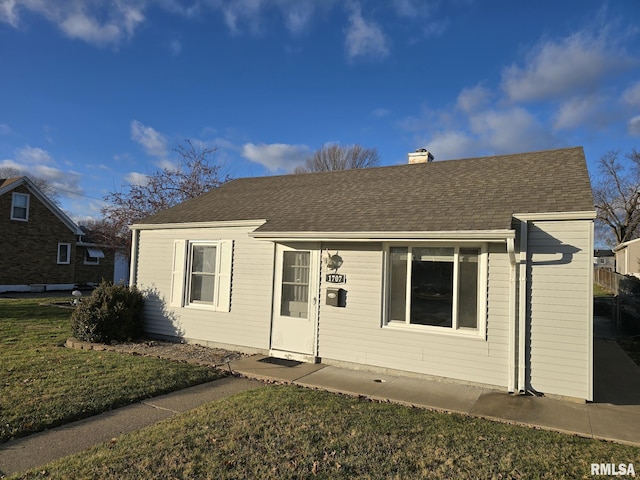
615,414
42,448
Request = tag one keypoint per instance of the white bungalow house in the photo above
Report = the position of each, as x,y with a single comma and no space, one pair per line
477,270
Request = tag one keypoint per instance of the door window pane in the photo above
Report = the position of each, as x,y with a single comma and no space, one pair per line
294,300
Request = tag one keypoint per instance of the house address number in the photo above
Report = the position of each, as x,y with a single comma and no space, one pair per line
336,278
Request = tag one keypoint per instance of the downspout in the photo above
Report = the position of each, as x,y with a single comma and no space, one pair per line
133,268
522,313
511,250
590,341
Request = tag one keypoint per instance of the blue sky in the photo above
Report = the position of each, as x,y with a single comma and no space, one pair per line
96,93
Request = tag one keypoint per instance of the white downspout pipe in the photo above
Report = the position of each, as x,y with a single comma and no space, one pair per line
522,311
133,268
511,385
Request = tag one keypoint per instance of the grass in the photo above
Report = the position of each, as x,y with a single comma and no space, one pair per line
599,291
283,432
43,384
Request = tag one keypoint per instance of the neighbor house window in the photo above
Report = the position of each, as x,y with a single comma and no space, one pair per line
64,253
92,256
437,287
20,206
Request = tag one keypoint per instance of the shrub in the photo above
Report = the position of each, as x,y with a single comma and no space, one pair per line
112,312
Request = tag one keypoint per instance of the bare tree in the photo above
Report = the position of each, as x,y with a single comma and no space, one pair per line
195,174
617,197
338,157
44,185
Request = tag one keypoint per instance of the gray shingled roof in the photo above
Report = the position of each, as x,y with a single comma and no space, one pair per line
470,194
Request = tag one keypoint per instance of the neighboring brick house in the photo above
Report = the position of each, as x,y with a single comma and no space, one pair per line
41,248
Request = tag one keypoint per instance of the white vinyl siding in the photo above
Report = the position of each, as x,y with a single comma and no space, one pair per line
355,333
559,263
242,317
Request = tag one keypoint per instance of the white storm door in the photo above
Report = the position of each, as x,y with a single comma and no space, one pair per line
296,299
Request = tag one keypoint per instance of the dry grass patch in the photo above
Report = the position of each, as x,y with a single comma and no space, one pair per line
43,384
286,432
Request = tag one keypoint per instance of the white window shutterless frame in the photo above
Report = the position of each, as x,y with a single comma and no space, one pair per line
295,312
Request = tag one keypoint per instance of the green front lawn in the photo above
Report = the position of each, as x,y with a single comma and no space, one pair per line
43,384
284,432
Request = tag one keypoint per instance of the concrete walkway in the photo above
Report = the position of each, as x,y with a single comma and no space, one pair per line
615,414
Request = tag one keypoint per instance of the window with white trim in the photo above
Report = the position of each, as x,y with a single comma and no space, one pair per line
201,274
64,253
20,206
437,287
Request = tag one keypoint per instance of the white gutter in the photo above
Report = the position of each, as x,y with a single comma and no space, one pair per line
522,313
472,236
511,385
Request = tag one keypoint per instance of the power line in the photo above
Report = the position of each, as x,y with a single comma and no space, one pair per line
78,194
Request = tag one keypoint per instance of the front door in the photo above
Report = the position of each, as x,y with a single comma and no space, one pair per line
293,330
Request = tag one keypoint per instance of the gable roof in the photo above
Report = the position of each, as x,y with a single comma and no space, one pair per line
454,195
9,184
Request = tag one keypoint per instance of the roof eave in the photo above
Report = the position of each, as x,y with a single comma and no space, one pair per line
217,224
579,215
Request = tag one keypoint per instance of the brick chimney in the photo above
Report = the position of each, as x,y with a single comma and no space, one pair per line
421,155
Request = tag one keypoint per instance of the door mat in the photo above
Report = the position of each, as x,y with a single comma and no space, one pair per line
283,362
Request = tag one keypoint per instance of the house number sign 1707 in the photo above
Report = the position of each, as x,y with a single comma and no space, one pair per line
336,278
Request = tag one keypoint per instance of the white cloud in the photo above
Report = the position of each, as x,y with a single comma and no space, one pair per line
471,99
297,13
136,178
364,38
510,130
98,23
175,47
154,142
589,110
8,12
452,144
631,96
5,129
380,112
275,156
634,126
236,12
64,181
33,155
554,68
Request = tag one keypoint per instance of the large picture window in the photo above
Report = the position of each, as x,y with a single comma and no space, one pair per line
436,286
